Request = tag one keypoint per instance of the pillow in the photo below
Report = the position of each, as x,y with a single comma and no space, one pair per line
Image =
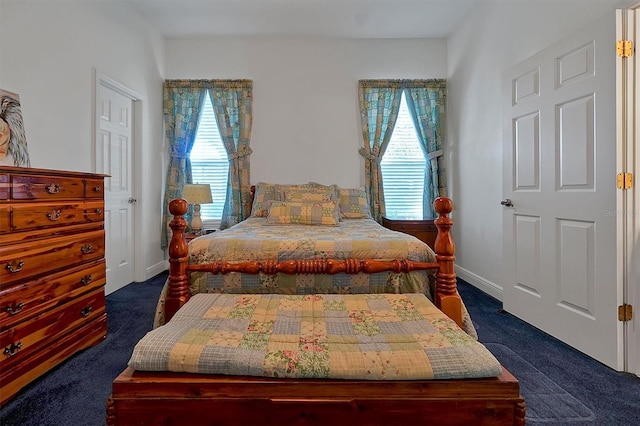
306,194
281,189
354,203
264,195
318,193
303,213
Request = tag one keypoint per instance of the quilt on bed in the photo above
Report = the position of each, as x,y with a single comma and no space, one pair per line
253,239
363,336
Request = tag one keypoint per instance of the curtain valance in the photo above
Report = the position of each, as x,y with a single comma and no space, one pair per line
209,84
433,83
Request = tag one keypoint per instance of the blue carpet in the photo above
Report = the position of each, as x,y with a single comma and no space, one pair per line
546,401
560,385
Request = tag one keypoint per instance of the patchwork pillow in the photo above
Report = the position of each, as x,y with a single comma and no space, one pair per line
264,195
281,189
354,203
316,193
303,213
306,194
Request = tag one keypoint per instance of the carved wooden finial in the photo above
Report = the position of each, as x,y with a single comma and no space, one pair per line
178,207
443,205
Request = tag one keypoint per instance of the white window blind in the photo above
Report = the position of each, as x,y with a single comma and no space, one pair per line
209,164
403,166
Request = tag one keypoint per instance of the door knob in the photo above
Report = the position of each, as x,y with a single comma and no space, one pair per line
132,200
507,202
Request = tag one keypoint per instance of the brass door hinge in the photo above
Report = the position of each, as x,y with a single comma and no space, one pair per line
624,48
625,312
624,180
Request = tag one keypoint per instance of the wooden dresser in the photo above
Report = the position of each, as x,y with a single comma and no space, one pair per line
52,270
424,230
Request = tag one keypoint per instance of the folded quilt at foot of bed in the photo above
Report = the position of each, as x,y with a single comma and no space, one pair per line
336,336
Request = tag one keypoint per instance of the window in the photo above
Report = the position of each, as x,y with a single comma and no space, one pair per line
403,168
209,164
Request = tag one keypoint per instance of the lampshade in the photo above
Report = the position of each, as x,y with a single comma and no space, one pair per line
197,193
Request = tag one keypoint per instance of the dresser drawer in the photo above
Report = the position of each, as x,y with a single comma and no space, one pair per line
24,300
26,260
29,336
5,221
95,211
94,188
14,379
24,187
32,216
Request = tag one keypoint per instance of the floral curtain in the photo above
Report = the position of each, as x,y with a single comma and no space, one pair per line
232,104
379,106
426,103
182,102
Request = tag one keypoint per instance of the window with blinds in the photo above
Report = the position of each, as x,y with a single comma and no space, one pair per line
209,164
403,170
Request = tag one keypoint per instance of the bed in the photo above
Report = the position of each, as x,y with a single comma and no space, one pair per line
315,295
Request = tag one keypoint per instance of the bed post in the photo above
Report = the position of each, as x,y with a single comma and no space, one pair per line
447,297
178,292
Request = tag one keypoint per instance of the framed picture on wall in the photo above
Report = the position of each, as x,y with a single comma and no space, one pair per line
13,142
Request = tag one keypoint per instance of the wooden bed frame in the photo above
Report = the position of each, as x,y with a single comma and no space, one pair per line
140,397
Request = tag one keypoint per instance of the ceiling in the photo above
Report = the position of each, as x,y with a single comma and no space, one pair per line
312,18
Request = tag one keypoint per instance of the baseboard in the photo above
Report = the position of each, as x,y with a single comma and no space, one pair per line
154,270
492,289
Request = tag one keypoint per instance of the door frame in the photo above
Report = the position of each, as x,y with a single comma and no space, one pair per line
628,102
99,80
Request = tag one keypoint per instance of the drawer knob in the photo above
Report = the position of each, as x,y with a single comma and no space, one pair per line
86,249
86,280
86,311
54,215
52,188
15,309
12,349
97,189
98,211
14,266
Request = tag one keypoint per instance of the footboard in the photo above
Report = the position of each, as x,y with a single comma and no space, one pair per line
446,297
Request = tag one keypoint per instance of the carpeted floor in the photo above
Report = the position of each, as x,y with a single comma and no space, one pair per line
561,386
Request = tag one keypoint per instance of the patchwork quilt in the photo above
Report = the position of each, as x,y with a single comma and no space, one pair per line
333,336
254,239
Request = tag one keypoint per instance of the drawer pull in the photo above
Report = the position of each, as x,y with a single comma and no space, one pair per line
86,280
86,311
98,211
12,349
97,189
15,309
86,249
14,266
54,215
52,188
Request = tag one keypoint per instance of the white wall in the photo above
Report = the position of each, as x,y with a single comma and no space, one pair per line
500,34
306,117
50,51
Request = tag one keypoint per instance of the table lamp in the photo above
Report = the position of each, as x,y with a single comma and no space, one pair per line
196,194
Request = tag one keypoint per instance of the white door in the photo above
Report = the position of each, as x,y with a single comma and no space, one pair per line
114,158
559,148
